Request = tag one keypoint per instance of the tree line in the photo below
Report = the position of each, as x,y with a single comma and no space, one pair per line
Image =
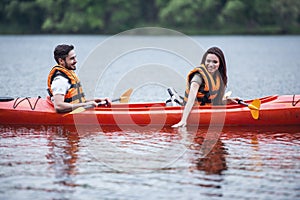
114,16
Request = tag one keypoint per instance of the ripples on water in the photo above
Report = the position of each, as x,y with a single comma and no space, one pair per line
59,163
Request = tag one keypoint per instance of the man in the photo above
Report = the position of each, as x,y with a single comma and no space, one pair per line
64,86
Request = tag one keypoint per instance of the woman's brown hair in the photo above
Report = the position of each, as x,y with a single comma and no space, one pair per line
222,70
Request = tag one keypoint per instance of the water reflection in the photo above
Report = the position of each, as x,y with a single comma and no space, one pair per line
214,162
60,163
134,149
141,149
63,154
264,147
208,150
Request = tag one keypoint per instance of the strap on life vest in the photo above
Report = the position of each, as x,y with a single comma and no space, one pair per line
75,92
208,89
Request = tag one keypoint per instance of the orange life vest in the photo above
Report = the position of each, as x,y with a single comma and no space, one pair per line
75,93
208,89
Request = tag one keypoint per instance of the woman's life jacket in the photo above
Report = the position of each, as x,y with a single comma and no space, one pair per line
208,90
75,93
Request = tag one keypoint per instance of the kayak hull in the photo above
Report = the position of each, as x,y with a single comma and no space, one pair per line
274,110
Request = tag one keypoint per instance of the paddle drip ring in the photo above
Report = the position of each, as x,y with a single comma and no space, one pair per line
294,103
16,103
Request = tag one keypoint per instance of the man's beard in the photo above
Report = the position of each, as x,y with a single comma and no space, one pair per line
69,67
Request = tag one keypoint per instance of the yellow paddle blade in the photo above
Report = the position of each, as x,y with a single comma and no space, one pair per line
254,105
255,114
124,98
254,108
77,110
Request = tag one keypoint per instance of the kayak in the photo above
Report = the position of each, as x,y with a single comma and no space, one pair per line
274,110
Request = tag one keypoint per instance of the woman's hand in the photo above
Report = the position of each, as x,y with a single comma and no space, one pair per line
228,100
179,124
188,107
232,100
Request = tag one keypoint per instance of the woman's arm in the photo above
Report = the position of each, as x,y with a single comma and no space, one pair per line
189,105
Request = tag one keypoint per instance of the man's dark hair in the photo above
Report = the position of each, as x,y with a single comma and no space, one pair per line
62,51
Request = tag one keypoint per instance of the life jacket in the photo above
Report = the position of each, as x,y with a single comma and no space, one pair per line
75,93
208,89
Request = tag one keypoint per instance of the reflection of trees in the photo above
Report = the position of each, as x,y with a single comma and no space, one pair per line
62,156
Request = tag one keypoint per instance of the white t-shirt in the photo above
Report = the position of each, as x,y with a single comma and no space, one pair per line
60,85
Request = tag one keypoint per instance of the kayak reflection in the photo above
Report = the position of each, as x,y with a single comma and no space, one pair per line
140,148
63,154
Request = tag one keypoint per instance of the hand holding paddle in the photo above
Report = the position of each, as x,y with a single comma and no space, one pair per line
253,106
124,98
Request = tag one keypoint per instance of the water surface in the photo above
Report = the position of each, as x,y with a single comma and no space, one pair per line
56,162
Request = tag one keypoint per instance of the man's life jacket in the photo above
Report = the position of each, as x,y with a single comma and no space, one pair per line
75,93
208,89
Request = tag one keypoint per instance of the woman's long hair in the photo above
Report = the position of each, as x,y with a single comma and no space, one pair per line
222,70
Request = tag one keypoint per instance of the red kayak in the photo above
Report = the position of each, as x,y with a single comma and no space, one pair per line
274,110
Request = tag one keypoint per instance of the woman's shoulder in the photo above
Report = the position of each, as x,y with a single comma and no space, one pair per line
196,77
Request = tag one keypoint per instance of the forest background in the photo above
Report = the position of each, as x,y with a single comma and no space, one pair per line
192,17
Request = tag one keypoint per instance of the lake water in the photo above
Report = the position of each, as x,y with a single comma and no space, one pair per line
54,162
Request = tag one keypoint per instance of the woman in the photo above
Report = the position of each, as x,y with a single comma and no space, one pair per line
205,84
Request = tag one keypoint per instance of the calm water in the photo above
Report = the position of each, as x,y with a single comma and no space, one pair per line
50,162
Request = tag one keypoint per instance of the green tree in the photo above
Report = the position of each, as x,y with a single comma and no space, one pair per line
21,16
192,15
177,13
113,16
287,14
121,15
233,14
72,16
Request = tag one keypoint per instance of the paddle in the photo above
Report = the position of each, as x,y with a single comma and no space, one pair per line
253,106
124,98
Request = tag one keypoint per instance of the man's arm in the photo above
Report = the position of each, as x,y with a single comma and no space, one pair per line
62,107
59,87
